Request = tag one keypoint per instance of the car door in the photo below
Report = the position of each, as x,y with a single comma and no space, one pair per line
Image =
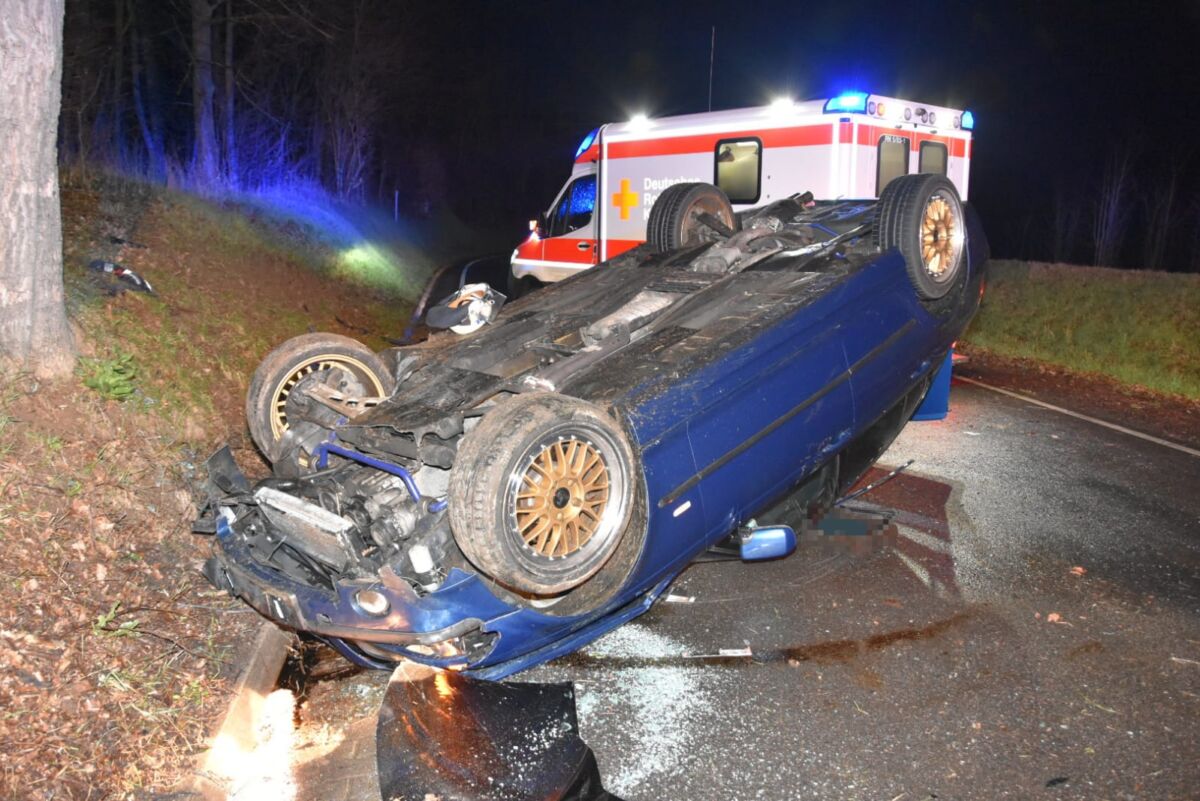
777,408
570,241
888,343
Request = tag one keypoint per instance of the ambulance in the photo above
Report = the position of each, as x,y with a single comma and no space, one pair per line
844,147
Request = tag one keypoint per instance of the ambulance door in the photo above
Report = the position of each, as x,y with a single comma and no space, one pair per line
570,244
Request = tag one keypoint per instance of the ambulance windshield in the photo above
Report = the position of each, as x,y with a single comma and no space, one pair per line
574,209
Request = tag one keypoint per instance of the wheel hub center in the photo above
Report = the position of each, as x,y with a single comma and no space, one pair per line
562,497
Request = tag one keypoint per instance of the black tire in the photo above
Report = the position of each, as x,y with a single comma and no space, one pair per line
546,495
922,216
329,358
674,222
520,287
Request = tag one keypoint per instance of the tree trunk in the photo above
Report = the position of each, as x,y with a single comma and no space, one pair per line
204,154
117,104
33,320
1112,209
232,169
151,138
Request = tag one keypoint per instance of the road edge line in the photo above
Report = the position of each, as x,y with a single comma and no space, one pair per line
1140,435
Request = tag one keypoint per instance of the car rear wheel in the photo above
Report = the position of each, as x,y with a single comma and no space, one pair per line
278,389
922,216
683,217
544,492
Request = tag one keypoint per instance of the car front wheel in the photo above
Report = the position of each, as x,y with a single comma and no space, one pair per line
278,390
543,494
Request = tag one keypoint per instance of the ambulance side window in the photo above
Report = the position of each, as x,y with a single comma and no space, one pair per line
739,169
933,158
893,160
575,208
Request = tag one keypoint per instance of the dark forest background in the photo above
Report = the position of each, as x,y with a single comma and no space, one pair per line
1085,151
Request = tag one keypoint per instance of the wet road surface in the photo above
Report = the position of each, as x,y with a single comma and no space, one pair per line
1029,628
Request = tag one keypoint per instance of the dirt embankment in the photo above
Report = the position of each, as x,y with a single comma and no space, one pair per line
115,654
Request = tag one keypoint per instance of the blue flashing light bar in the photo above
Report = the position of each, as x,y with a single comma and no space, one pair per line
586,143
968,121
847,102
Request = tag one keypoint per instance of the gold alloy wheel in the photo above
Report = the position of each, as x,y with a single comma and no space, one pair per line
369,384
939,229
562,497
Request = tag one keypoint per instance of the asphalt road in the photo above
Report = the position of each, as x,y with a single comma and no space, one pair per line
1030,628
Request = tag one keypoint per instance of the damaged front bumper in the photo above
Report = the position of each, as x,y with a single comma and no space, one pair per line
430,629
460,625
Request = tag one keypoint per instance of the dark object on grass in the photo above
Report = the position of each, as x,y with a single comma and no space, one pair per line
444,735
117,240
121,273
1057,780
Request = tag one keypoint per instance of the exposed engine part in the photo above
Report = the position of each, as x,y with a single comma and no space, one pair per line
319,532
348,522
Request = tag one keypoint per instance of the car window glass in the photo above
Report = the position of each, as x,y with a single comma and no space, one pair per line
574,209
893,160
739,166
933,158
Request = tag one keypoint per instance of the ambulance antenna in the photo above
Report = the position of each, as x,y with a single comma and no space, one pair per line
712,50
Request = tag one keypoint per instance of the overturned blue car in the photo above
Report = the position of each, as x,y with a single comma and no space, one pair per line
489,500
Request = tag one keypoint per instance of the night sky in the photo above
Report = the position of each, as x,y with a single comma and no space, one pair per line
1055,87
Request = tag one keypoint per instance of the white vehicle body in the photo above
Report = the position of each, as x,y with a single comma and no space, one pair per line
847,147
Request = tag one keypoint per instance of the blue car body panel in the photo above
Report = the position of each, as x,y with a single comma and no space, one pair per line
718,442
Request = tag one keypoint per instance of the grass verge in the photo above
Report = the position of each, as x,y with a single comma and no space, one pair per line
1138,327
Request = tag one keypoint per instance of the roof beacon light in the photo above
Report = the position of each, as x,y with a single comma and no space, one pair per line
782,105
847,102
639,122
968,121
587,142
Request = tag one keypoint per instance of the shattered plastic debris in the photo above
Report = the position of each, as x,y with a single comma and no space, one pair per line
679,599
1078,571
128,276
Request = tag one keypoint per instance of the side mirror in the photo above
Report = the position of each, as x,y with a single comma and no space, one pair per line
767,542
